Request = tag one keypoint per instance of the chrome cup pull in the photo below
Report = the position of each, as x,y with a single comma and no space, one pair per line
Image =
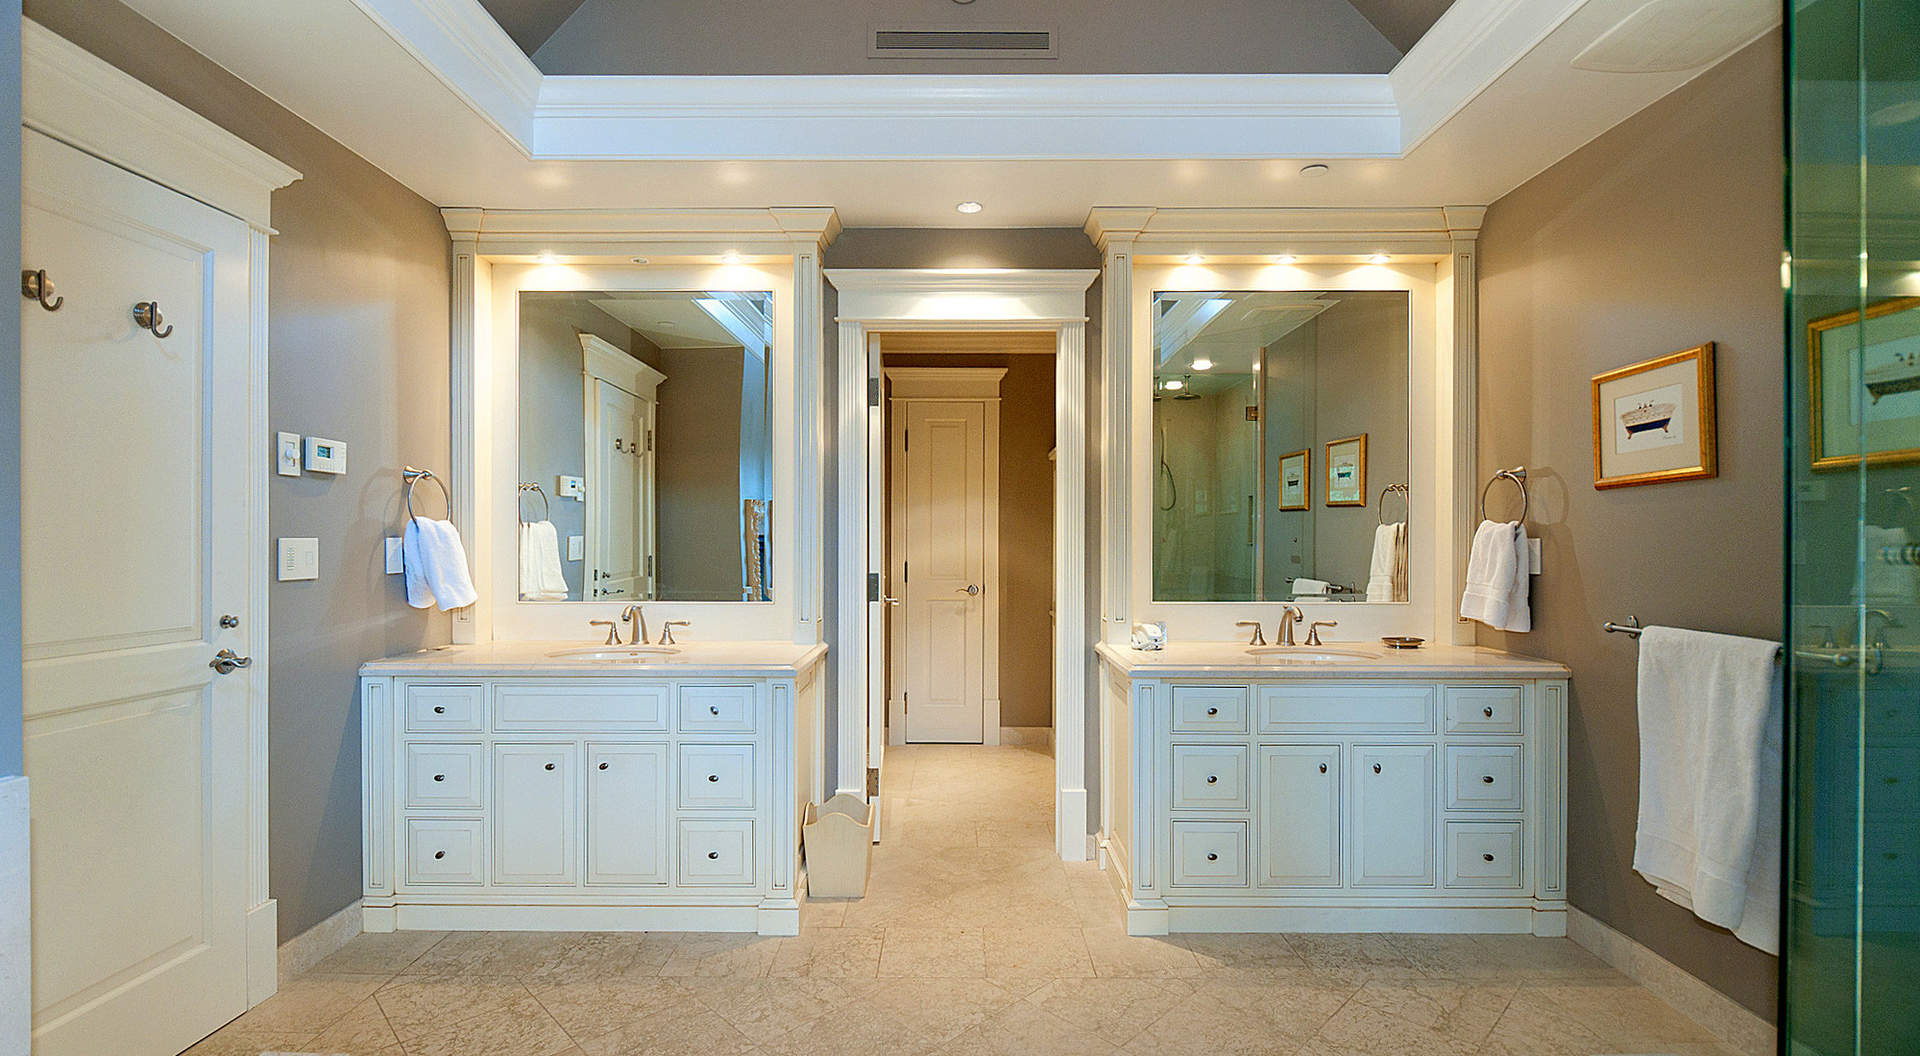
603,766
439,777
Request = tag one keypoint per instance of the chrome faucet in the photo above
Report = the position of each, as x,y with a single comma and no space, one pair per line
1259,636
1888,622
1289,615
666,630
1313,630
632,614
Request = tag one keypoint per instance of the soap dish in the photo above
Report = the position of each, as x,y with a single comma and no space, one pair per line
1395,641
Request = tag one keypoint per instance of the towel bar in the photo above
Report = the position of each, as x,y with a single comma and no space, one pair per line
1869,657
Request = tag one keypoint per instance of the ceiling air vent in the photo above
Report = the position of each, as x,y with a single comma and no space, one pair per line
922,42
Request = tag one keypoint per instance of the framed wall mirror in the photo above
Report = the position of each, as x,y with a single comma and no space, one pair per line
645,462
1262,402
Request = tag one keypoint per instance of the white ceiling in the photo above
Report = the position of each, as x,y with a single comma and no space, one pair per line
671,321
436,94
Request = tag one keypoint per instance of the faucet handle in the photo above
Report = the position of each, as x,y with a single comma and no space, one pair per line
613,630
666,630
1313,630
1259,636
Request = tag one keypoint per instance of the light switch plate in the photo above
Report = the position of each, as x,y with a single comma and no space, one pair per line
326,456
571,488
576,547
396,562
299,559
286,454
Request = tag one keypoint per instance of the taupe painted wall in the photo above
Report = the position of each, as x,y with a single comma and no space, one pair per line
971,248
10,712
1363,388
1661,234
1095,36
1026,529
359,296
697,459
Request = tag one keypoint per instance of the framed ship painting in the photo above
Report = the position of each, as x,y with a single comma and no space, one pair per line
1864,385
1655,421
1296,480
1347,471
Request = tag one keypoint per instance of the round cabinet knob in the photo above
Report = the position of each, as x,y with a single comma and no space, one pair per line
713,709
1486,857
713,856
1376,768
1486,779
439,709
1212,780
549,766
1213,711
1212,857
1323,768
437,855
603,766
439,777
1487,711
712,778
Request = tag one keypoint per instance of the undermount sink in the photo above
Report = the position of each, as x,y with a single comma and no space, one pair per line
1295,654
614,654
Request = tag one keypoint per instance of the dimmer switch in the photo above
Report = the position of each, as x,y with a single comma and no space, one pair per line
299,559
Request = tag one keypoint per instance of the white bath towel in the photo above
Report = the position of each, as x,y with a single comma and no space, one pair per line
541,577
1881,581
436,566
1303,586
1710,769
1497,578
1387,575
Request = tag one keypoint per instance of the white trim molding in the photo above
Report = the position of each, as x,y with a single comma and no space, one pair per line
83,101
875,301
16,918
1739,1028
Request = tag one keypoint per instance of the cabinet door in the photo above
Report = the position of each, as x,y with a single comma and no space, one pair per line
1393,814
627,813
535,835
1300,815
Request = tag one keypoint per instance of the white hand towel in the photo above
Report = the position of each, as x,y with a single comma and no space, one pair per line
1710,767
436,566
1497,580
541,577
1386,576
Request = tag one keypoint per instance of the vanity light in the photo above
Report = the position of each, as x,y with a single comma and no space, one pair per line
1203,363
968,207
1378,258
1195,259
730,258
1175,385
1284,258
1314,171
640,260
546,258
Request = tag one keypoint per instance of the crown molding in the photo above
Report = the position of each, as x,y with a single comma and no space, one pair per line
1269,230
73,96
777,229
928,296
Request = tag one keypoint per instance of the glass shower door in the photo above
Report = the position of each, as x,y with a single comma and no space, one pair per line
1851,966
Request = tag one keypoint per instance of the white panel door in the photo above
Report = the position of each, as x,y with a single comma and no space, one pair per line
943,535
1300,815
535,834
1394,794
627,813
617,568
134,510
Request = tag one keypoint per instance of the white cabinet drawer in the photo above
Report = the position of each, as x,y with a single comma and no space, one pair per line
1370,710
441,776
1484,854
1209,853
716,853
1210,709
446,709
562,707
444,852
1482,709
1210,776
716,709
1484,777
716,777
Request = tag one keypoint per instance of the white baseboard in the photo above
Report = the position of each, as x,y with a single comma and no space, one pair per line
16,921
1026,736
1725,1017
321,941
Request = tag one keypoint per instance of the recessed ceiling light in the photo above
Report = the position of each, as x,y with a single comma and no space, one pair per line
546,258
1284,258
1175,384
667,323
730,257
1378,258
640,260
1203,363
1195,258
968,207
1314,170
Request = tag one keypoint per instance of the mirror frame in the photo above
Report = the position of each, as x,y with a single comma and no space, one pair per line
1431,467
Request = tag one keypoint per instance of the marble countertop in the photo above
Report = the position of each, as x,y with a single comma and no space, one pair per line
1204,659
694,660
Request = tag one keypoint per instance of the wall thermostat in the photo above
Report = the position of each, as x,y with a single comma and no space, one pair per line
326,456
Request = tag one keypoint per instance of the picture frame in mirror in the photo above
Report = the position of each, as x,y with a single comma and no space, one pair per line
1347,471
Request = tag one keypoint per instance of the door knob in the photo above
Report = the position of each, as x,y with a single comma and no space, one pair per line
226,662
971,590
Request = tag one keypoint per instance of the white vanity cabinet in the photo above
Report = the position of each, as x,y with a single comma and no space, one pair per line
1390,793
577,796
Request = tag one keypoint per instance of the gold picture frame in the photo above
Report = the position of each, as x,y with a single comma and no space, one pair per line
1655,422
1347,471
1854,373
1303,472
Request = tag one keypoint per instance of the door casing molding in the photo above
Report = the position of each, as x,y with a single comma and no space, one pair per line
967,300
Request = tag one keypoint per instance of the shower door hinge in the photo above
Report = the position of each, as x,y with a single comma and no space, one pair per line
873,392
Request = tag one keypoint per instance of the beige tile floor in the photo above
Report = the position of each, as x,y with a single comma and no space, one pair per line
974,940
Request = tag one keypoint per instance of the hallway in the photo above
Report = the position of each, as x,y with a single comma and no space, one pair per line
973,939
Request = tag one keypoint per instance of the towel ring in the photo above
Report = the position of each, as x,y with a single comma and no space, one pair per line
546,508
1518,475
414,476
1405,499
